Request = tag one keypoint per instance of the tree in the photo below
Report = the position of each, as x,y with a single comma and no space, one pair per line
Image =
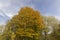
51,26
27,25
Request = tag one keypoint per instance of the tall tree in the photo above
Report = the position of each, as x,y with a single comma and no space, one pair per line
27,25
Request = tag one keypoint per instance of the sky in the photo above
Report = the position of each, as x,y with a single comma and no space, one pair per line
45,7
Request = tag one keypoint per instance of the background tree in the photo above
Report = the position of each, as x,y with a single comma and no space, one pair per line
51,23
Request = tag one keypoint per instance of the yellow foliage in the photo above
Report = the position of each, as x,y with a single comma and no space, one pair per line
28,23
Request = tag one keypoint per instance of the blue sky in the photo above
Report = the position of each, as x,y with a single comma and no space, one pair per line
46,7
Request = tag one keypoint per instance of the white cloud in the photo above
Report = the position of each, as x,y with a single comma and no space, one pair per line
1,14
3,5
57,17
10,15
